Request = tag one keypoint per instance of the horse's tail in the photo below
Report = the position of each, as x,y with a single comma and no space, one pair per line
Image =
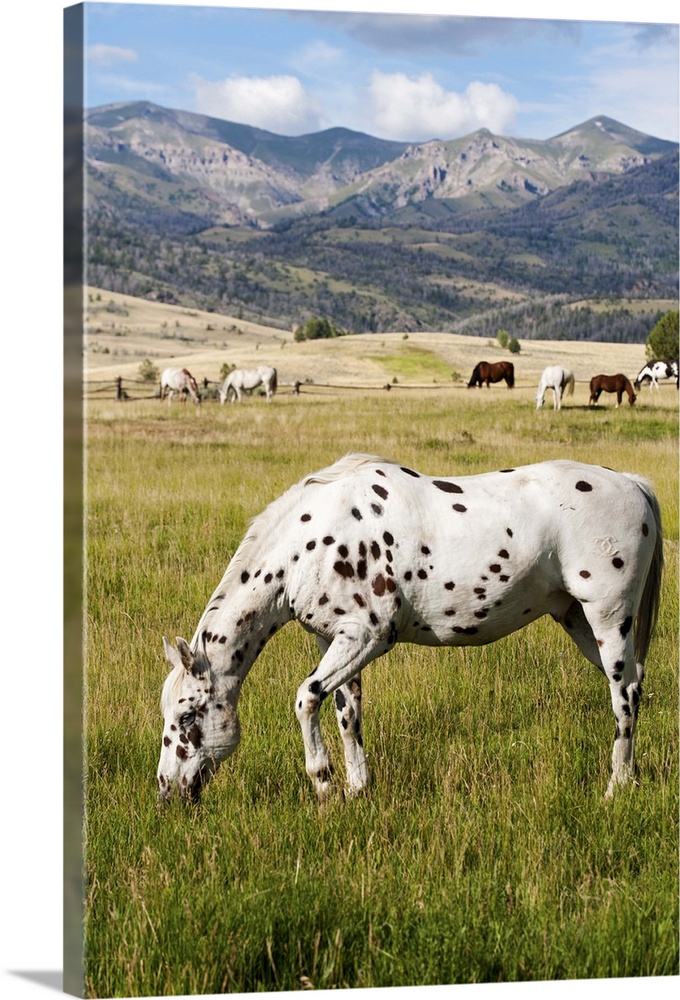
475,376
649,605
511,375
571,381
275,381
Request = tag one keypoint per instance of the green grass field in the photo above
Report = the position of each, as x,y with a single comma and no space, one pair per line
484,850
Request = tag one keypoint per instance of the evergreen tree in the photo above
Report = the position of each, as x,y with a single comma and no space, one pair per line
662,341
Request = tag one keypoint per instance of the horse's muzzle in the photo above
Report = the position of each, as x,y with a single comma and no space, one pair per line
189,793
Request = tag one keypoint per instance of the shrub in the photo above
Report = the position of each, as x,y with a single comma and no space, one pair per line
317,329
662,341
148,372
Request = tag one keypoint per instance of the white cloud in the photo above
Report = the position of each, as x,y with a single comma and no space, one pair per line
276,103
104,56
405,108
316,57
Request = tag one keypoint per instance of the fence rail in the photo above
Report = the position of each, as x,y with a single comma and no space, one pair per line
130,389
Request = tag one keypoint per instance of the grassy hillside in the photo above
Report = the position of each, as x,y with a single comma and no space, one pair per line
122,331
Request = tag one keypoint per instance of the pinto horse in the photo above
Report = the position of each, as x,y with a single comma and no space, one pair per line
179,380
239,380
368,553
560,380
486,372
655,370
611,383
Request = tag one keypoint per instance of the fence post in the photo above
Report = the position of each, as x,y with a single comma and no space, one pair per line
119,388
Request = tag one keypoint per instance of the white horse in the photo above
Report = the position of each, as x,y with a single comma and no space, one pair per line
369,553
240,380
560,380
653,371
179,380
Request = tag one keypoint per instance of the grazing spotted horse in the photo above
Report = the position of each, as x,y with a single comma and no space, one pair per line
368,553
654,371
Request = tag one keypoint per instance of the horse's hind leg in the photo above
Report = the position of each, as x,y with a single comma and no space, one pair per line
339,669
610,647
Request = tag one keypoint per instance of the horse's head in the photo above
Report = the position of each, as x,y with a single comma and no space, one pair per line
201,727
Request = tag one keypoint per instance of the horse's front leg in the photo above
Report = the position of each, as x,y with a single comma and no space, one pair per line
348,711
342,661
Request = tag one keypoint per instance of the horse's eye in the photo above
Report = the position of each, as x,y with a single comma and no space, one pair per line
187,718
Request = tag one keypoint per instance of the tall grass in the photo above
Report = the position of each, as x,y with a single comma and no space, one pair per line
483,851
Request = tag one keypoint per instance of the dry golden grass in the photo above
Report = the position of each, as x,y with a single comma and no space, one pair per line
122,331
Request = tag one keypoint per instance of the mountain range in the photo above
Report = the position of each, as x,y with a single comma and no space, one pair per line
371,232
238,175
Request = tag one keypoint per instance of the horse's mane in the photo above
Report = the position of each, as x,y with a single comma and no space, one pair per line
345,466
171,686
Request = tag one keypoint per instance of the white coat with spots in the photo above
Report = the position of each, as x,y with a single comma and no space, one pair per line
654,371
369,553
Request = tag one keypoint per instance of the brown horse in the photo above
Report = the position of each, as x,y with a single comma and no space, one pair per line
611,383
485,372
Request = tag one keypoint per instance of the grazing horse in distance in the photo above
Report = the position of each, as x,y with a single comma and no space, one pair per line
560,380
611,383
240,379
655,370
369,553
486,372
179,380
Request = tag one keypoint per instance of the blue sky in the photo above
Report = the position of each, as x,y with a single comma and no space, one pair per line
393,75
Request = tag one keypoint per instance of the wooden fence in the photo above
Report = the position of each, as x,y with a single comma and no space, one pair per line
130,389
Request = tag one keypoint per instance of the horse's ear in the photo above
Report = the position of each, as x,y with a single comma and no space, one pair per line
186,656
171,654
183,656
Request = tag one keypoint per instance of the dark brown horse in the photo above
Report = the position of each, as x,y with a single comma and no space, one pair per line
485,372
611,383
